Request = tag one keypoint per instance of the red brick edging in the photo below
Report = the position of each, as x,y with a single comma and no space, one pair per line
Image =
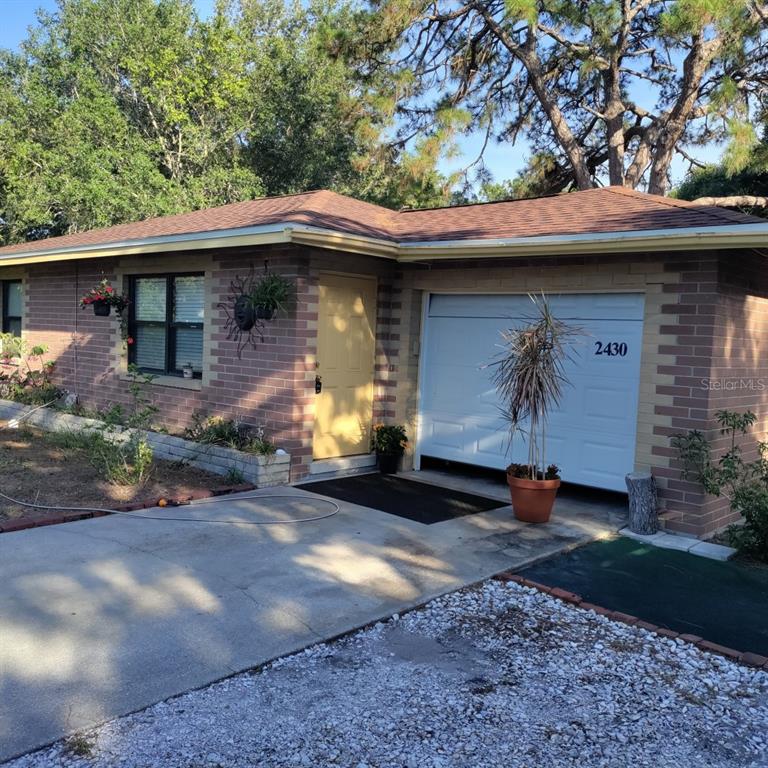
8,526
750,659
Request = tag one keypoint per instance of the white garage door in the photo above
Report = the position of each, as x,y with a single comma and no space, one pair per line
591,437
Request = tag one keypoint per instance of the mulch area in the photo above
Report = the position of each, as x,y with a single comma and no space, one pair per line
35,470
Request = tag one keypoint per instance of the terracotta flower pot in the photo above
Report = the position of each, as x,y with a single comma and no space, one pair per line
102,308
532,500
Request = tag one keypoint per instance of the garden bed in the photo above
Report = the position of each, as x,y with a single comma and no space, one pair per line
261,471
35,467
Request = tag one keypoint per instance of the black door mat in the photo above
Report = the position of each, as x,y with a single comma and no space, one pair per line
420,502
724,603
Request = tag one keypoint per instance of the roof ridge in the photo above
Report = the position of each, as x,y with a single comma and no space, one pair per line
673,202
477,204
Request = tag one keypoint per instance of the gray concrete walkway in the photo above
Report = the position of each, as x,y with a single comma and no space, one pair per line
102,617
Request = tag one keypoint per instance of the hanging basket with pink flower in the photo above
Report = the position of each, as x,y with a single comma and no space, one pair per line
102,298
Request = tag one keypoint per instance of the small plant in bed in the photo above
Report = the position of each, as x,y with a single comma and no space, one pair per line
119,463
228,433
26,372
743,482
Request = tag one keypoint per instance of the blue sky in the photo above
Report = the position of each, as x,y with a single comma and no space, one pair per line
503,160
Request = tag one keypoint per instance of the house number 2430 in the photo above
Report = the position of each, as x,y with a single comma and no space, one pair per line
611,348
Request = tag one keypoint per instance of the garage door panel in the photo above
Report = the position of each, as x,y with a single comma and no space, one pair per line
591,434
608,306
490,442
448,434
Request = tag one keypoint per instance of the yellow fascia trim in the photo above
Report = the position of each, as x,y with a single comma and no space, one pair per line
340,242
140,249
431,251
436,252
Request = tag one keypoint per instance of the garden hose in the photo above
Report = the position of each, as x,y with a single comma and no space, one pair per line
16,423
335,510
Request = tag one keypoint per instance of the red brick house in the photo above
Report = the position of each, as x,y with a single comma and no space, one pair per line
397,312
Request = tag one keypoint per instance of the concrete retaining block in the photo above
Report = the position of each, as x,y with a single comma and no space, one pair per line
262,471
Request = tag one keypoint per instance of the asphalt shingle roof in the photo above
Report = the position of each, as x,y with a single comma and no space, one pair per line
605,210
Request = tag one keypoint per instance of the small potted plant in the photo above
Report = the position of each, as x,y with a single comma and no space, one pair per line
102,298
529,378
389,441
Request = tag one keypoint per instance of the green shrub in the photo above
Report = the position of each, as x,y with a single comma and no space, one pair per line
25,373
743,483
227,433
234,476
271,292
389,439
119,463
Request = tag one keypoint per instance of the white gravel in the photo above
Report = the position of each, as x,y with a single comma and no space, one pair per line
499,675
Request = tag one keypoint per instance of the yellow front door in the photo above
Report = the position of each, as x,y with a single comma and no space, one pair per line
345,359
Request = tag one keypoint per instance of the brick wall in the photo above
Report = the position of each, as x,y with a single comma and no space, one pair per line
646,273
705,320
259,388
718,318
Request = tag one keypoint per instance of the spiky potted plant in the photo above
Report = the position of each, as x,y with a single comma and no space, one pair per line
271,293
529,377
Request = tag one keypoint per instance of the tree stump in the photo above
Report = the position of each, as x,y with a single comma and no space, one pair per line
643,503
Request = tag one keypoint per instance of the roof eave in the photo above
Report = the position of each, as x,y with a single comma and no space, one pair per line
738,236
262,235
705,238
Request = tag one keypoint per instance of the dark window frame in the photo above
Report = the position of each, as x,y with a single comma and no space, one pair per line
169,324
5,323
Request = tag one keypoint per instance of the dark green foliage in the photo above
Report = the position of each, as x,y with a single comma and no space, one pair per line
272,292
748,177
215,430
743,483
119,110
389,439
523,472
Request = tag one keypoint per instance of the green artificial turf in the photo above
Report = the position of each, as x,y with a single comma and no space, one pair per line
724,602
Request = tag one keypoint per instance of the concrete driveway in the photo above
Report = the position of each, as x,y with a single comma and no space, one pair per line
103,617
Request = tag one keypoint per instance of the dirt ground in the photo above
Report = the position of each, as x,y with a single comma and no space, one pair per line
33,469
